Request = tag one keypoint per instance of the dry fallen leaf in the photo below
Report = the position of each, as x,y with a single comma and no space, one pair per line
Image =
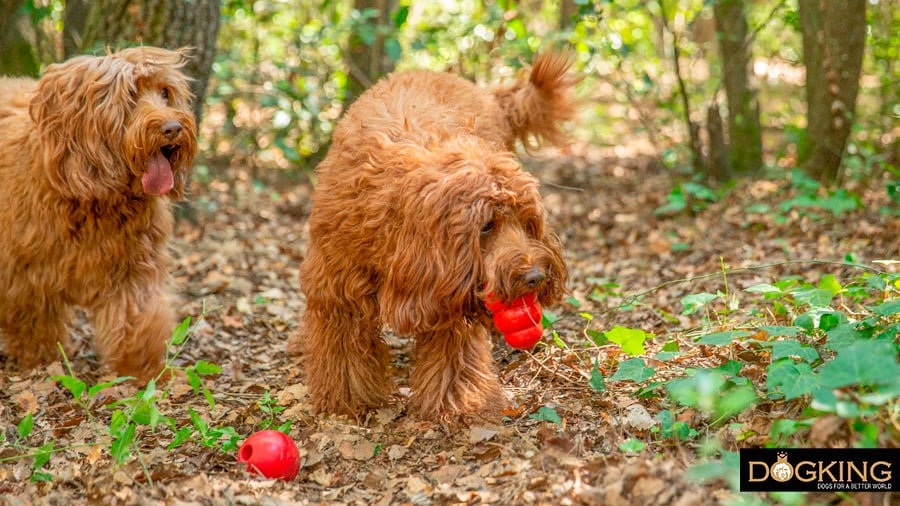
478,434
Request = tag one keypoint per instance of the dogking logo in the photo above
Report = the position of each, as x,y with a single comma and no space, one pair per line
781,470
818,469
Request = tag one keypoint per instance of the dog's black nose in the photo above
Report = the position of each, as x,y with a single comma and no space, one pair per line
170,129
534,278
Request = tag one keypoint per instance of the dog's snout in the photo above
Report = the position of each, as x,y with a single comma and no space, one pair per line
534,278
170,129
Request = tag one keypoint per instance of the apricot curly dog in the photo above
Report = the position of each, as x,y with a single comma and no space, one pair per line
91,156
420,210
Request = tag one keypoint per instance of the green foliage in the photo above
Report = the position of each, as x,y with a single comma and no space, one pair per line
690,196
829,346
631,340
597,382
41,455
23,429
723,338
717,392
671,428
632,446
810,198
546,414
281,81
120,425
271,410
727,468
696,301
633,370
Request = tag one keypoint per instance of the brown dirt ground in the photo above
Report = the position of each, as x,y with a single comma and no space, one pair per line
238,263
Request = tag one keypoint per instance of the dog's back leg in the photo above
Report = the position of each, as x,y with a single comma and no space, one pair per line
346,359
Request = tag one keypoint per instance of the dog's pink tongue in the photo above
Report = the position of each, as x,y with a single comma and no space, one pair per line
158,179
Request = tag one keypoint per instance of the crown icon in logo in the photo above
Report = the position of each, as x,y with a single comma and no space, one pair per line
781,470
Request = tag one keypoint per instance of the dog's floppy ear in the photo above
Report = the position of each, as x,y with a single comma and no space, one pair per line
434,273
530,212
78,110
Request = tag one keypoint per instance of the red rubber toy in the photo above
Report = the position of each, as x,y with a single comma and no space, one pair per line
519,321
271,454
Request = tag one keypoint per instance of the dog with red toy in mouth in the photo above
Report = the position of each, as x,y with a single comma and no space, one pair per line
420,211
91,157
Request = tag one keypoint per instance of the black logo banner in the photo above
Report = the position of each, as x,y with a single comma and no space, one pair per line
819,469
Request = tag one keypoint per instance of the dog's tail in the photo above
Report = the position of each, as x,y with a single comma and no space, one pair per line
537,107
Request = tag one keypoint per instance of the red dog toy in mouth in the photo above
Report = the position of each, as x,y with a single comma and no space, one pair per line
272,454
519,321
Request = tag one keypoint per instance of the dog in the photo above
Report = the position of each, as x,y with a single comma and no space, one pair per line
91,157
420,210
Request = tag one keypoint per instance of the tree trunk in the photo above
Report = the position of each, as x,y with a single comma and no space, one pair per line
567,11
834,37
93,25
18,58
744,132
366,58
719,164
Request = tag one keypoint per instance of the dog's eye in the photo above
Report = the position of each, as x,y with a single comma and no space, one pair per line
487,228
164,93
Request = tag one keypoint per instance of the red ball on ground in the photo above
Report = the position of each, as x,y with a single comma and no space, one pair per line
271,454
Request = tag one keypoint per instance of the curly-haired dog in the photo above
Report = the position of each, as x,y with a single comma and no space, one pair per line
91,156
420,210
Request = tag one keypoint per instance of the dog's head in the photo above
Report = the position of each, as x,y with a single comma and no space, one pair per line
471,226
116,124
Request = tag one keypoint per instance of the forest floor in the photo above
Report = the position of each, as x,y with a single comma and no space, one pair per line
237,274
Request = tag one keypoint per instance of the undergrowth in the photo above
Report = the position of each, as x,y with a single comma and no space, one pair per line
795,349
119,427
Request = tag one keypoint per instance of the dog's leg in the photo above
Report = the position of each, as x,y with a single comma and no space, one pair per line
346,359
32,332
132,331
454,375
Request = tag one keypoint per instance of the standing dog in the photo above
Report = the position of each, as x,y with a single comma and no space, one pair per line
91,156
420,210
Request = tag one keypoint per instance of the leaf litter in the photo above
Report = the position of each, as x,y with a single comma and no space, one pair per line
238,264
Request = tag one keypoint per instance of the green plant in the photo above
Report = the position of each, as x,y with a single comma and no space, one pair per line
271,410
546,414
719,392
671,428
689,196
117,425
40,455
826,346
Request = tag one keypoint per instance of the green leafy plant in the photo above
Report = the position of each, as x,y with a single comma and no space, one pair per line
690,196
546,414
671,428
117,424
40,456
718,392
633,370
632,445
631,340
271,410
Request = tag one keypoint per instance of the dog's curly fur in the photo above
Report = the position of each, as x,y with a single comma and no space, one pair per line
420,210
91,156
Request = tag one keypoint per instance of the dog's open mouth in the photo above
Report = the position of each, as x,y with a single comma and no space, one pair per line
158,179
